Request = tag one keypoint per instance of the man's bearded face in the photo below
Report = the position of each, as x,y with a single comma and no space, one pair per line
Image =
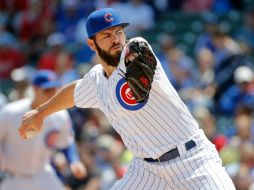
111,60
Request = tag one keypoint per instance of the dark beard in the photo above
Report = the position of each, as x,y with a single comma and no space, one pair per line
111,60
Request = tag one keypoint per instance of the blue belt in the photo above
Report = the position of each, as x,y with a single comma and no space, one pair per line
173,153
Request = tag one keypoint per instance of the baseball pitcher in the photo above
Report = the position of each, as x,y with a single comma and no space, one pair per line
131,88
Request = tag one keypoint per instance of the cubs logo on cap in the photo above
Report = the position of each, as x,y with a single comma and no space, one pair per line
102,19
108,17
125,97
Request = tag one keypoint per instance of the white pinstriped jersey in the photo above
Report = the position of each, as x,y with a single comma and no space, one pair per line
147,129
30,157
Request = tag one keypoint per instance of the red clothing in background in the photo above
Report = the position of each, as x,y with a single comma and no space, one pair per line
56,61
10,59
16,5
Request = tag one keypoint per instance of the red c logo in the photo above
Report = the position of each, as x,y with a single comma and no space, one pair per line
128,94
108,17
125,97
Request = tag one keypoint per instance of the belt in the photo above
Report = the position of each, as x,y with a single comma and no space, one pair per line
173,153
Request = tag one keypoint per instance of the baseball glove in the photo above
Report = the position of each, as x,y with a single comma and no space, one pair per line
140,71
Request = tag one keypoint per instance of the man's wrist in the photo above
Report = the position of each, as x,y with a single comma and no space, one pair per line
42,111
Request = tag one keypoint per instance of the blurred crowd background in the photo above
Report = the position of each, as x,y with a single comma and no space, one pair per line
205,46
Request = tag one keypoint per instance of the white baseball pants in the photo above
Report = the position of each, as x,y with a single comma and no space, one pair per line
197,169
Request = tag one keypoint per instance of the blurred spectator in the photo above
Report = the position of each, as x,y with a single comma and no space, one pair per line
38,17
34,22
142,16
214,38
202,93
205,63
10,57
225,46
86,146
7,38
68,15
238,94
242,172
33,165
82,120
238,155
22,89
55,42
207,122
211,25
245,34
224,74
92,181
243,125
108,150
166,43
58,59
181,68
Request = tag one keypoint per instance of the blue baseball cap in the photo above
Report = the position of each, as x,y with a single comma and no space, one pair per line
102,19
46,79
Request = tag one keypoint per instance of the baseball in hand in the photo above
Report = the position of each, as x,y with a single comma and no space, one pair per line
30,134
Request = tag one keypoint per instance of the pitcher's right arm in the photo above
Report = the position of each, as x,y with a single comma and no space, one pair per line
33,120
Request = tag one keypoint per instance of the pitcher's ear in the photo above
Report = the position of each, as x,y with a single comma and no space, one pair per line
91,44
